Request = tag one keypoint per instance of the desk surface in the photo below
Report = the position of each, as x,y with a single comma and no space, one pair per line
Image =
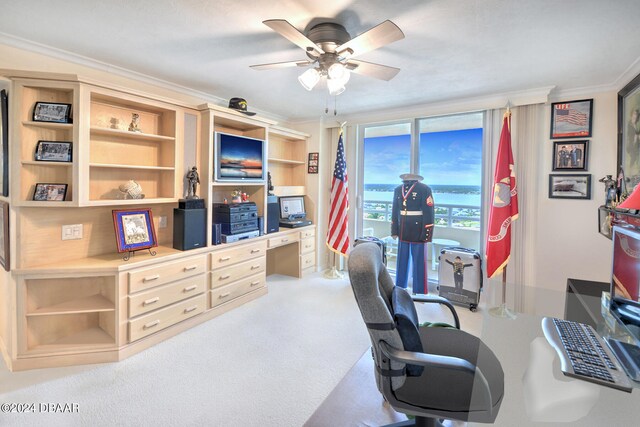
511,341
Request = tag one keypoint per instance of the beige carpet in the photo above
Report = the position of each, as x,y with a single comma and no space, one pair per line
271,362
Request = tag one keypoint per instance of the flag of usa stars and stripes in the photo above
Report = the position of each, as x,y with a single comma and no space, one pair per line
337,235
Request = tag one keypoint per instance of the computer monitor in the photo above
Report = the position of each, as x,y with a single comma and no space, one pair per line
292,206
625,278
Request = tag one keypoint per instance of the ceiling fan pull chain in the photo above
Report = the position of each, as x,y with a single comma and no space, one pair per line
335,105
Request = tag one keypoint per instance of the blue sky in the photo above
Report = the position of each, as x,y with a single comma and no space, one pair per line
451,157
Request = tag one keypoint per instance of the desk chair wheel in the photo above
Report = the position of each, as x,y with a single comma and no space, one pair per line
473,308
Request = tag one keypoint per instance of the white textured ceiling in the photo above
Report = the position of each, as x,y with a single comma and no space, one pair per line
453,49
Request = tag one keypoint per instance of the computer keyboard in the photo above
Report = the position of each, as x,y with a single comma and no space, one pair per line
583,354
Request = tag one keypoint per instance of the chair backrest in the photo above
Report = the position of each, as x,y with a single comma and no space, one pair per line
373,288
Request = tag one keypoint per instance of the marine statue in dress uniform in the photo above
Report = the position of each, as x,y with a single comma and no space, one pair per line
412,220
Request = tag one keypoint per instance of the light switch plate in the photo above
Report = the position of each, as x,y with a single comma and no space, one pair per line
162,222
72,232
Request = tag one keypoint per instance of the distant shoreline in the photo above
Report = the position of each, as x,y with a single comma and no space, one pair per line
436,188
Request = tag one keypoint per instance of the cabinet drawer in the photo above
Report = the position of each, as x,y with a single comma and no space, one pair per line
307,233
307,245
165,317
160,274
226,275
161,296
283,240
234,290
234,255
308,260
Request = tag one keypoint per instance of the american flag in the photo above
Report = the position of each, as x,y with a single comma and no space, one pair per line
571,116
337,235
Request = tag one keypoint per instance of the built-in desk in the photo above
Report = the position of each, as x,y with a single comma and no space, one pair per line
103,309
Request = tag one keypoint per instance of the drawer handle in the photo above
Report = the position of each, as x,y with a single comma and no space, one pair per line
256,283
151,278
255,251
307,246
255,267
192,267
151,324
226,258
284,240
190,288
190,309
151,301
308,261
224,295
225,277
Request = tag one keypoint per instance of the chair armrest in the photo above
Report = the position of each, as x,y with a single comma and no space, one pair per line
439,300
437,361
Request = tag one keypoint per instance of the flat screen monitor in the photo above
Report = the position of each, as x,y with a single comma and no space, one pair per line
291,206
239,158
625,277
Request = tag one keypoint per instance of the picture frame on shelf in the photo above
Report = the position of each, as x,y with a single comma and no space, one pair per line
134,229
54,151
629,131
565,186
4,140
571,119
312,166
4,239
570,155
605,222
54,112
49,192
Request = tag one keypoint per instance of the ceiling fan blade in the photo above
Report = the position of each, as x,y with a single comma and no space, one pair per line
302,63
377,71
378,36
288,31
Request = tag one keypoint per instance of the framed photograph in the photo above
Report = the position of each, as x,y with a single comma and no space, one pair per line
571,119
4,238
4,140
566,186
134,229
570,155
52,112
50,192
605,222
53,151
629,132
313,163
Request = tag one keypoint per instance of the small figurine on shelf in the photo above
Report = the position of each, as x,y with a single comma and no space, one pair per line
269,185
131,190
236,196
194,180
134,126
609,189
244,197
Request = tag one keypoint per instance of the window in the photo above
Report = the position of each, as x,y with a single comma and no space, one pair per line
447,152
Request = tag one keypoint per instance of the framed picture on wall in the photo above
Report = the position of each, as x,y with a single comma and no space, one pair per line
629,132
571,119
4,238
570,155
4,140
134,229
577,186
313,163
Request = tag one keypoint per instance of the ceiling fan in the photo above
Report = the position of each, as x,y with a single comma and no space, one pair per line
330,50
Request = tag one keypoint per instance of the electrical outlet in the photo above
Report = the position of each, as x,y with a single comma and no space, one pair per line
162,222
72,232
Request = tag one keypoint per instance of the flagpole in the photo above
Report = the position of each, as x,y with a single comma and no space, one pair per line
333,272
502,310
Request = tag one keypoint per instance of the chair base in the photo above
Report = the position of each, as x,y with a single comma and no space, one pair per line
418,422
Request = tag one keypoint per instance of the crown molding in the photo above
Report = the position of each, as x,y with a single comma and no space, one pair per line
64,55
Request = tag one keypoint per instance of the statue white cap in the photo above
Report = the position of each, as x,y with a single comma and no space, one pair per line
411,177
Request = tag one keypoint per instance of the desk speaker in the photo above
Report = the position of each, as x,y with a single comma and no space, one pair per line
273,214
189,228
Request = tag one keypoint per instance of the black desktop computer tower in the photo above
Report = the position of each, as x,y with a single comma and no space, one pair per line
189,228
273,214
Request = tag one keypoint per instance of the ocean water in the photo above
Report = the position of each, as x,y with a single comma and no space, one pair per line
439,198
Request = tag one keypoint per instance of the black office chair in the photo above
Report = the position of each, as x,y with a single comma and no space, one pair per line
431,373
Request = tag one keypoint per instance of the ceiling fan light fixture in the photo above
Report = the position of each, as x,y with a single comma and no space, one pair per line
335,86
309,78
336,71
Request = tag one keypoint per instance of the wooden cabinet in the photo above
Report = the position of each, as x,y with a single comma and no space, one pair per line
288,161
165,317
118,154
26,171
62,314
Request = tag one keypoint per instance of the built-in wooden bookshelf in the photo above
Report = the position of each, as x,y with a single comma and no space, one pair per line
288,161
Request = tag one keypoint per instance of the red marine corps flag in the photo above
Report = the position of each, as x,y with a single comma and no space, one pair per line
504,204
